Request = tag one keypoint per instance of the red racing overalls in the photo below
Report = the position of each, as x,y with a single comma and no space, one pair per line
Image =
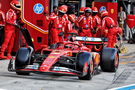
96,25
85,23
50,20
2,24
109,30
69,26
2,18
8,43
58,26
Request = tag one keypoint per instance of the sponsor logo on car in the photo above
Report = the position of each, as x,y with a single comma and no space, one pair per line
61,69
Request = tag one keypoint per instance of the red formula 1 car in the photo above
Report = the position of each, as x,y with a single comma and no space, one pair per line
68,57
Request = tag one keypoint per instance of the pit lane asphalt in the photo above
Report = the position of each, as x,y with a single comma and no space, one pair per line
125,75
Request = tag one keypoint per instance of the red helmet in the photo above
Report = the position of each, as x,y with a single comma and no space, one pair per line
94,9
82,9
104,13
63,8
15,4
88,9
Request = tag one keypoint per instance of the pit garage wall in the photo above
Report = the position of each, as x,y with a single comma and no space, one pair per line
5,5
111,7
37,24
38,38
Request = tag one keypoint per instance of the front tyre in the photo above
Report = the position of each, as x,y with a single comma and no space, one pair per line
89,74
23,58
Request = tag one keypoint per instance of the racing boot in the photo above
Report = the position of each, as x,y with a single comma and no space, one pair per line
9,56
2,55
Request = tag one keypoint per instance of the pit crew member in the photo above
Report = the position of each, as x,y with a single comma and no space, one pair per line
109,29
11,17
96,23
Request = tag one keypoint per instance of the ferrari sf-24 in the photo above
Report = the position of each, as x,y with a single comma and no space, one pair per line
69,57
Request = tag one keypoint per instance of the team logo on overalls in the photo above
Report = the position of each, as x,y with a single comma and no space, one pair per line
84,20
38,8
60,26
86,25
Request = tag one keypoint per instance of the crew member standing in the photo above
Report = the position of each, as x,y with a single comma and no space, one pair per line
85,23
2,25
81,14
70,27
54,14
96,23
58,26
11,18
50,19
109,29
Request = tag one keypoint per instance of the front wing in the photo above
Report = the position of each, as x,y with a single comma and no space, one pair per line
36,69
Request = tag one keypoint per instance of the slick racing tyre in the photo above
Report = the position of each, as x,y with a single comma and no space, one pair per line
23,58
89,74
109,60
85,65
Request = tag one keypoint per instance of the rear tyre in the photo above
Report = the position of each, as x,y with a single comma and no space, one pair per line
109,60
115,63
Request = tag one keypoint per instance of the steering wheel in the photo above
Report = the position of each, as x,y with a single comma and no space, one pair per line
72,45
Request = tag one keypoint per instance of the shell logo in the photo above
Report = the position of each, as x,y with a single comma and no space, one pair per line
51,57
112,11
32,39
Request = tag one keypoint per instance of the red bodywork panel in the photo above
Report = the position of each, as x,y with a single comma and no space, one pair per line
130,21
33,16
112,8
60,51
52,59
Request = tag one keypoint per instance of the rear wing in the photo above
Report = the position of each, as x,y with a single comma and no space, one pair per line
91,40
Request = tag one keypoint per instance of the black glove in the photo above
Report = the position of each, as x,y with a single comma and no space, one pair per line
1,27
95,28
61,34
93,31
80,29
